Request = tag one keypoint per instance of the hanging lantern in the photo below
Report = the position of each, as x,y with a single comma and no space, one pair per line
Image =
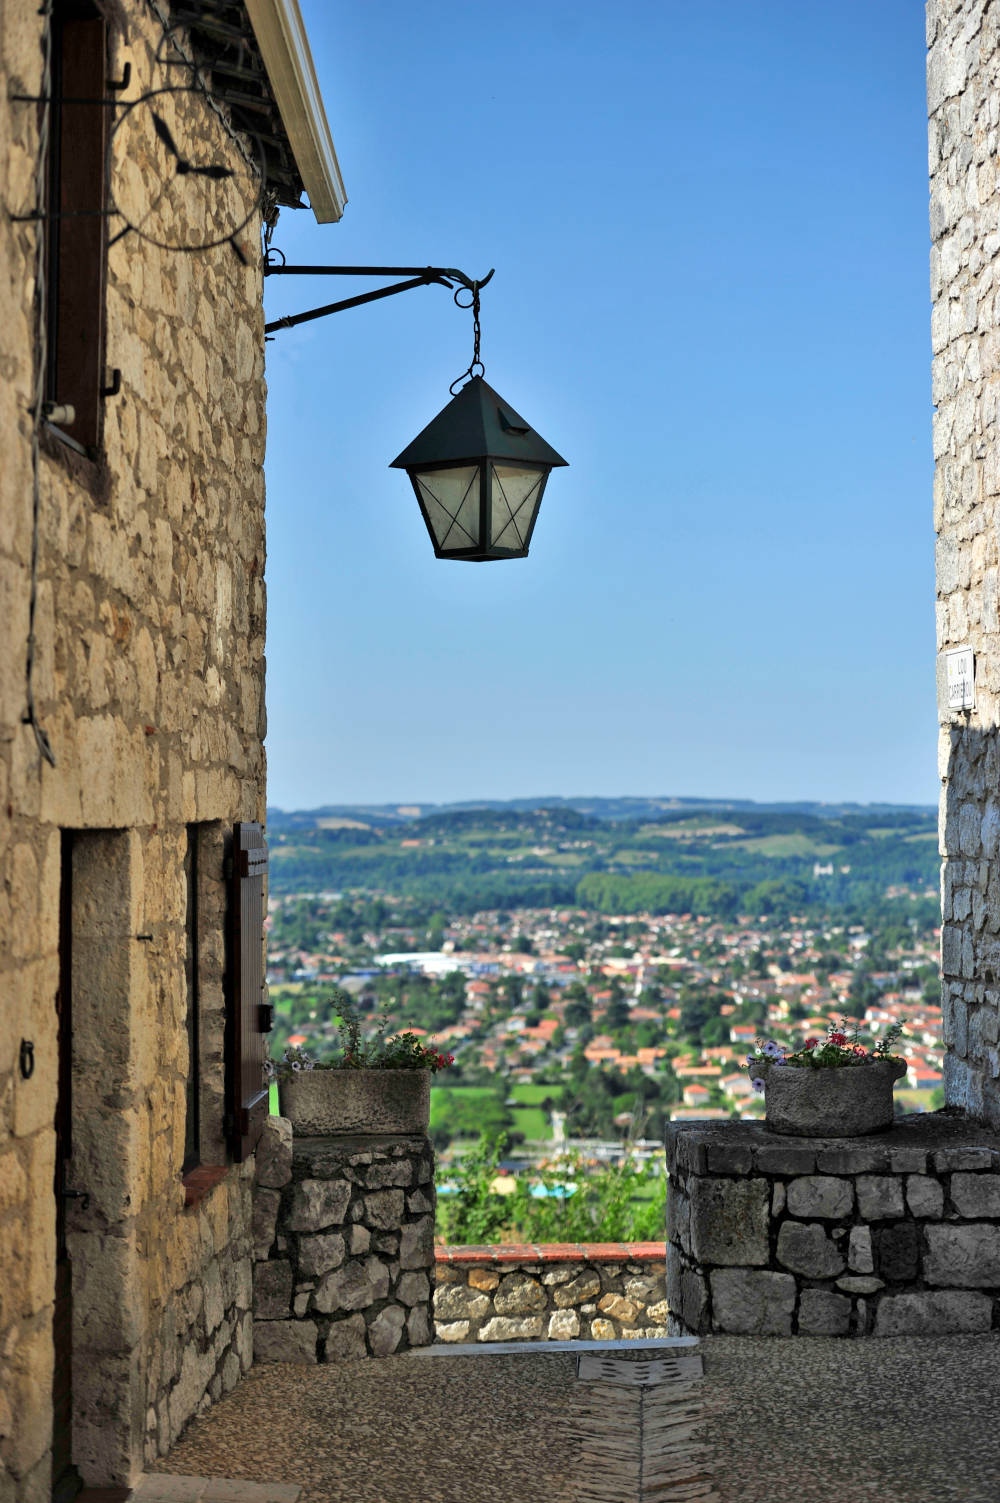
479,471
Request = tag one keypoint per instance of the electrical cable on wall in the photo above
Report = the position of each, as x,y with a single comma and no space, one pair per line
38,414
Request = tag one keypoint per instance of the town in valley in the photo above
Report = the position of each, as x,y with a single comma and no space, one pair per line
597,974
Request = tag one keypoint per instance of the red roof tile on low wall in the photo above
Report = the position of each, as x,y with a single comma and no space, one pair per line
555,1252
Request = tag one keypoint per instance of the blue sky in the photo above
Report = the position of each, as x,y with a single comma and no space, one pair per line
709,228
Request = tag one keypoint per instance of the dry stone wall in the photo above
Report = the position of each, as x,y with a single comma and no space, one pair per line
897,1234
963,97
344,1246
149,683
554,1292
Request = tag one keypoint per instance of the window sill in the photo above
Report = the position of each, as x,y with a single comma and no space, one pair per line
88,472
198,1182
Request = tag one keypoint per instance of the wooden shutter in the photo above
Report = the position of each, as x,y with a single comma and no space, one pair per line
250,1019
79,230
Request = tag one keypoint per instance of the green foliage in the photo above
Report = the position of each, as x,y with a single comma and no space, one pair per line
468,1112
613,1203
398,1051
651,893
743,860
474,1213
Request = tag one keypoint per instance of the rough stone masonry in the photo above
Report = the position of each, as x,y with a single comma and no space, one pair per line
551,1292
963,100
897,1234
344,1246
149,682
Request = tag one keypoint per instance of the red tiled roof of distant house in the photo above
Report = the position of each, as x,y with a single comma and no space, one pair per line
295,1039
548,1026
597,1054
673,1013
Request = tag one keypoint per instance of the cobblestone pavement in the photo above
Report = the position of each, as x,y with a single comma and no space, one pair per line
908,1420
156,1487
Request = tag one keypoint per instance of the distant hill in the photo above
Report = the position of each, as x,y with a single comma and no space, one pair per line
716,857
624,808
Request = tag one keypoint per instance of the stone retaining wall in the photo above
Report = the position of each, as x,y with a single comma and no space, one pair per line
551,1292
890,1235
344,1246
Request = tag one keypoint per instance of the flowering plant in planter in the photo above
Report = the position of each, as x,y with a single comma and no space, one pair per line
377,1085
839,1050
832,1087
400,1051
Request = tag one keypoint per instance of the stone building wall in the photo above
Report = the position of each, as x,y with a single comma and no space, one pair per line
344,1246
148,681
551,1292
963,97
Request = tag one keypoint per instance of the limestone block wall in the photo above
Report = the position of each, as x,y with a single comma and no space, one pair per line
203,1343
148,681
963,97
893,1235
344,1246
551,1292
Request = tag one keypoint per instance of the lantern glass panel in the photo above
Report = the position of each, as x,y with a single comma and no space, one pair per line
451,500
515,494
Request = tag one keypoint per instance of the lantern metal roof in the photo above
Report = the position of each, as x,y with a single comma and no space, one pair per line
477,424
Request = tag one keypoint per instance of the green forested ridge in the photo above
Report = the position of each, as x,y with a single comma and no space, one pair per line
718,860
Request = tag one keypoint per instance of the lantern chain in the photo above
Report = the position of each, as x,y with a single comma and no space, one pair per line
476,335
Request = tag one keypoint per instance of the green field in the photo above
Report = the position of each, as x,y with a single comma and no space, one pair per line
531,1095
442,1097
533,1122
785,845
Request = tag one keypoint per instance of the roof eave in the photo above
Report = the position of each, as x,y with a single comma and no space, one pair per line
284,48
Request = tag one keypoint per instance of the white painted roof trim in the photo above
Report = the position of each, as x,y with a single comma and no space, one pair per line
284,46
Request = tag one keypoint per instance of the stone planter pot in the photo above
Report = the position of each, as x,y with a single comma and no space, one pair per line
832,1103
339,1103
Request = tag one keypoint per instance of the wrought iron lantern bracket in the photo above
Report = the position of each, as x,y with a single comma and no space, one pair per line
416,276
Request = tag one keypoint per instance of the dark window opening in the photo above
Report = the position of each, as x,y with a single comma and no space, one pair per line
192,1131
77,227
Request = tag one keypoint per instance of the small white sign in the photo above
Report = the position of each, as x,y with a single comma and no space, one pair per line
961,667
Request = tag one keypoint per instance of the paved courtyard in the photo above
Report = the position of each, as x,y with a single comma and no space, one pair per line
720,1420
